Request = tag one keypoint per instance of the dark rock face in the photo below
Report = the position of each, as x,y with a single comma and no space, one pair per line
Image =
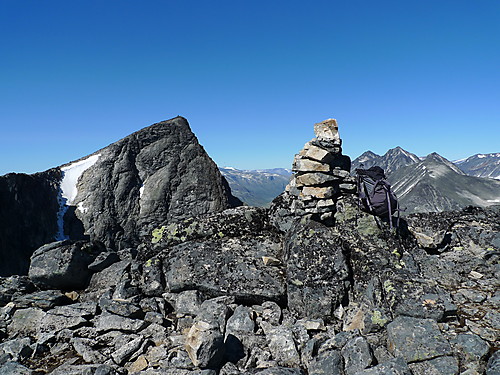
28,208
158,174
317,270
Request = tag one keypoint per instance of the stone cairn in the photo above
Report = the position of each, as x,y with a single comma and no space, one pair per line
321,175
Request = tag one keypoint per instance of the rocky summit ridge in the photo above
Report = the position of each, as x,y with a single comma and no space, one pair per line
282,290
114,195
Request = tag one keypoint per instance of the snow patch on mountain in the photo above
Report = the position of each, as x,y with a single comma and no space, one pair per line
68,190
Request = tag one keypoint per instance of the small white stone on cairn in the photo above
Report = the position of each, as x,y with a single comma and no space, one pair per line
327,130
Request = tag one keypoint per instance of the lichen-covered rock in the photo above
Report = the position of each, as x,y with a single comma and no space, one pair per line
227,266
446,365
416,339
317,270
394,367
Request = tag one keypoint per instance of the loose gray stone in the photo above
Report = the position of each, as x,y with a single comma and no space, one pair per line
26,322
152,278
472,346
205,345
104,260
436,366
186,302
282,344
327,363
493,367
215,311
63,265
397,366
19,348
240,321
123,353
14,368
416,339
357,355
84,348
111,322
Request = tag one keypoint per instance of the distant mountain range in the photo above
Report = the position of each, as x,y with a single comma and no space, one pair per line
256,187
425,184
434,183
481,165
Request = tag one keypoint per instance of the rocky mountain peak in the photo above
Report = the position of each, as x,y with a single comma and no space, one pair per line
159,173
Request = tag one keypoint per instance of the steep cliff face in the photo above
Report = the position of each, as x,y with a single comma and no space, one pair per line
158,174
28,208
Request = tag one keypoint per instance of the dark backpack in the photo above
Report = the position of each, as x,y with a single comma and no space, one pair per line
374,193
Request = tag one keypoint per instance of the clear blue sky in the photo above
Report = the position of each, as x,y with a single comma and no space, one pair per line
252,77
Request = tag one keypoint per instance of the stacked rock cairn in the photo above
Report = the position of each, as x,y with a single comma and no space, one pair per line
321,175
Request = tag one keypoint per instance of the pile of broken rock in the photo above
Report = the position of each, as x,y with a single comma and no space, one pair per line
321,174
352,299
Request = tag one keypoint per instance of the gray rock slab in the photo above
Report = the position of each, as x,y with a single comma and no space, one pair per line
397,366
329,362
121,307
91,369
493,367
416,339
277,371
103,260
230,266
63,265
15,368
111,322
46,299
357,355
437,366
26,322
317,271
471,346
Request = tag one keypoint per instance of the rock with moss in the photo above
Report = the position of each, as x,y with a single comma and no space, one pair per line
317,270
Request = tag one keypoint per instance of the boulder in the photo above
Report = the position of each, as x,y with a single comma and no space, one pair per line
230,266
446,365
317,271
205,345
395,367
63,265
416,339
